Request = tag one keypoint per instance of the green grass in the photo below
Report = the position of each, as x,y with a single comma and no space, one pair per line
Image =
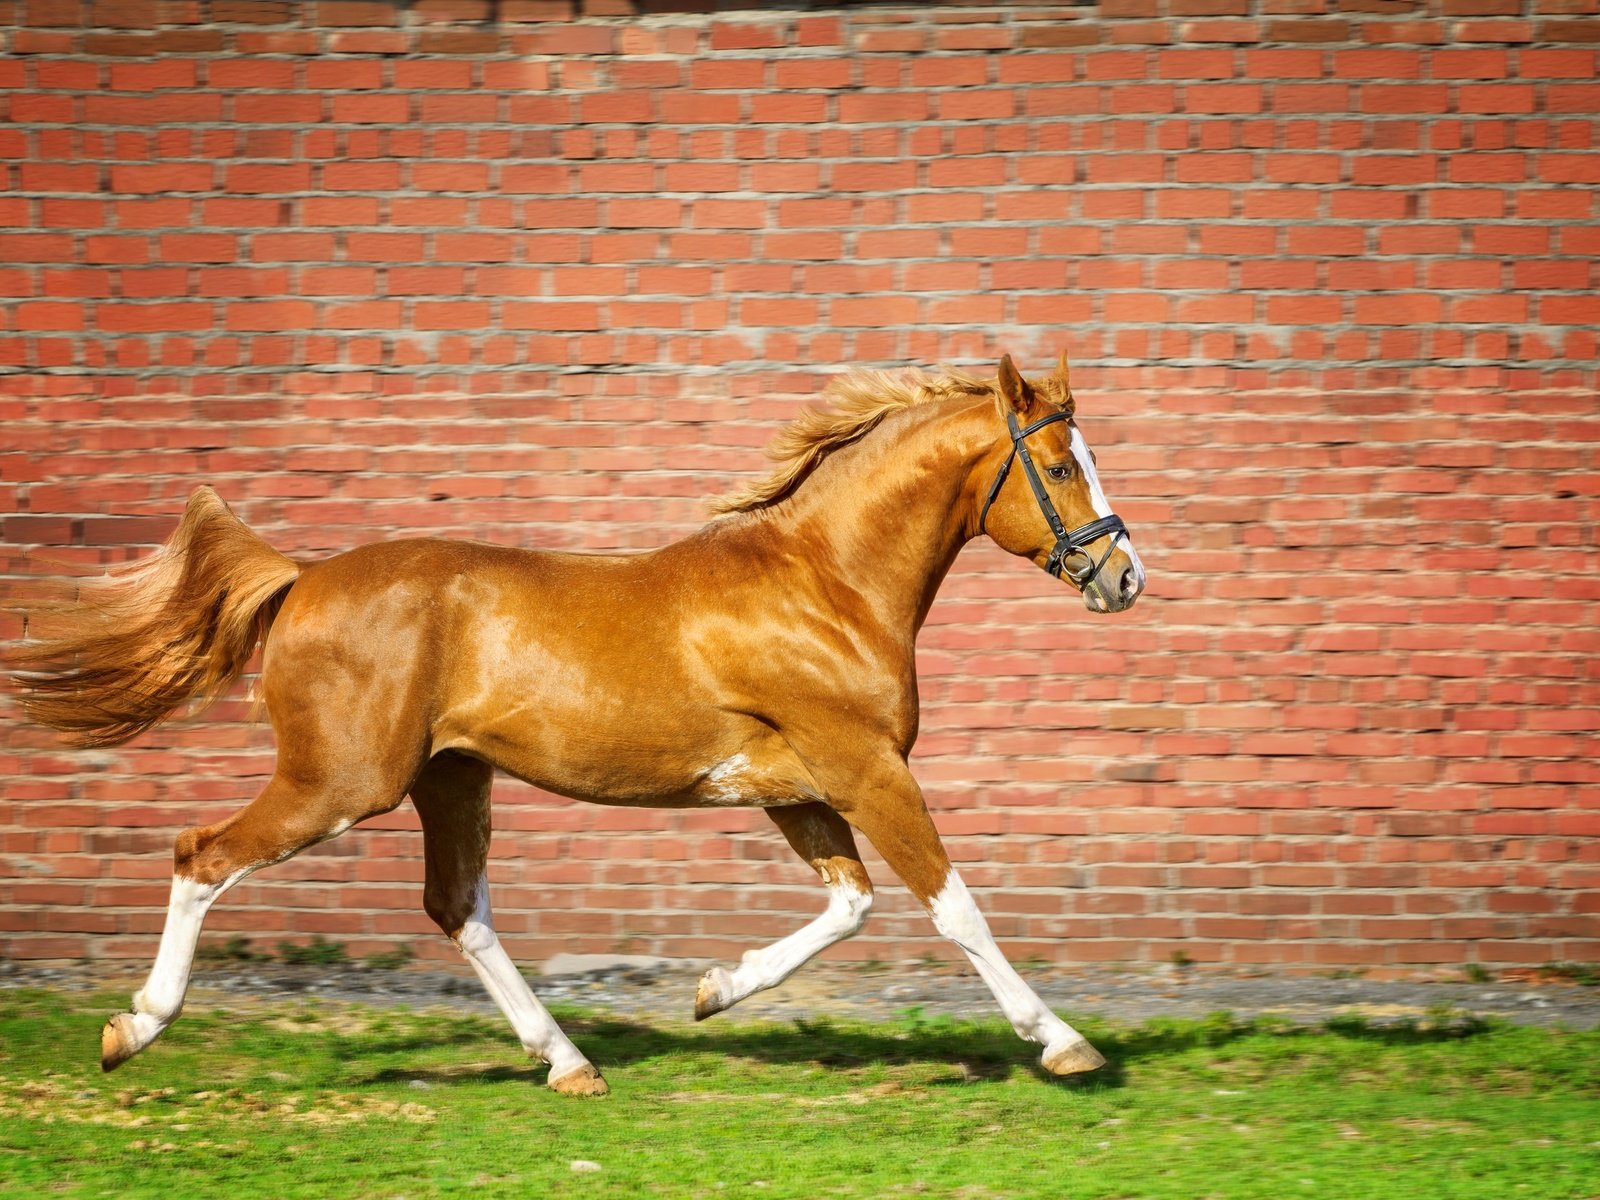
341,1101
317,952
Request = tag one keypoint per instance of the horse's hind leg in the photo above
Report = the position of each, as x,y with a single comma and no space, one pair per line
286,817
821,837
452,798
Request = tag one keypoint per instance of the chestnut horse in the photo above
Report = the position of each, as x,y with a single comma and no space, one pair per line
766,660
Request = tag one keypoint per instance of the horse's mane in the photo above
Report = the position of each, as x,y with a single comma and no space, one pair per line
857,404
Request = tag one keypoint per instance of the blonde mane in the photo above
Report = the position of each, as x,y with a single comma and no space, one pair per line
857,404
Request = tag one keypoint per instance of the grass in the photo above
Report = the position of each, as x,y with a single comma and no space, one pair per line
389,960
343,1101
235,949
1583,974
317,952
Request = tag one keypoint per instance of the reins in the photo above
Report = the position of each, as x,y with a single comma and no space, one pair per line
1068,542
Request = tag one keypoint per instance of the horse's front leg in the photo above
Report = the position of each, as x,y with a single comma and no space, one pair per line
887,807
822,838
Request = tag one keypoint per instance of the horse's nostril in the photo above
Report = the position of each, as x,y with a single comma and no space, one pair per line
1130,584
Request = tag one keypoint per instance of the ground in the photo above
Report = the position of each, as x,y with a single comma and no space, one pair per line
333,1080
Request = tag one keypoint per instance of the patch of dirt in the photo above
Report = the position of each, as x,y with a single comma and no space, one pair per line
171,1110
346,1021
664,991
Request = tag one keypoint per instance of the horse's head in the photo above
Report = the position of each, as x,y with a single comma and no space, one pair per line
1045,501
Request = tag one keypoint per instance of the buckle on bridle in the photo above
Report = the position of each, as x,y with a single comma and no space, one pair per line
1075,545
1069,543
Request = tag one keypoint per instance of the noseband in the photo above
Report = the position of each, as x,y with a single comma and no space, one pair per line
1073,542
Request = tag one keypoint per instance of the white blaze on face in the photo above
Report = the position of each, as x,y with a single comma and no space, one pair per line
1097,498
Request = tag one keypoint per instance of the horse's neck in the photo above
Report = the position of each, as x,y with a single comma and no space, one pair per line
887,514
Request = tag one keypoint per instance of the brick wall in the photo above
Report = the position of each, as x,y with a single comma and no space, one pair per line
1328,275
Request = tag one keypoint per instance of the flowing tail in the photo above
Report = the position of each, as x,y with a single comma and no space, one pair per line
143,640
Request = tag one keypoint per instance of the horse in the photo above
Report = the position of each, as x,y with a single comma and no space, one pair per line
765,660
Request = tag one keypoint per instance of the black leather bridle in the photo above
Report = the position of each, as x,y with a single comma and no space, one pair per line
1068,542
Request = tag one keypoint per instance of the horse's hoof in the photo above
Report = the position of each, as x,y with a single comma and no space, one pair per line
711,996
1073,1057
581,1081
119,1042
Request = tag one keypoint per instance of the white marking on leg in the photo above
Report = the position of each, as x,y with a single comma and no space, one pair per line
158,1003
956,915
535,1027
771,965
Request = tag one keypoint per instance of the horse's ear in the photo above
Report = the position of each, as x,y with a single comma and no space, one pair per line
1060,385
1013,389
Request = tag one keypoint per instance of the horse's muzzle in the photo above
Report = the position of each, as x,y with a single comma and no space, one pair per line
1114,591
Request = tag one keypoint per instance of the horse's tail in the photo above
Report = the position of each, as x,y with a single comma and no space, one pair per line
139,642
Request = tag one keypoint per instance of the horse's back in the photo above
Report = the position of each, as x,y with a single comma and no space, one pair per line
429,580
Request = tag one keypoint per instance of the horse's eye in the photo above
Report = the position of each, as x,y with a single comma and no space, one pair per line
1061,472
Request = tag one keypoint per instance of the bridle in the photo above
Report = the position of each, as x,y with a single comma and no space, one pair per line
1068,542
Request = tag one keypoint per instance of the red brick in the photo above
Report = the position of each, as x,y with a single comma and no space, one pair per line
882,106
1570,310
269,315
152,318
356,12
197,247
164,179
551,315
267,177
274,108
1557,64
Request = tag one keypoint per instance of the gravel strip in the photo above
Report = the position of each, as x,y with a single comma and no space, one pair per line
663,991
